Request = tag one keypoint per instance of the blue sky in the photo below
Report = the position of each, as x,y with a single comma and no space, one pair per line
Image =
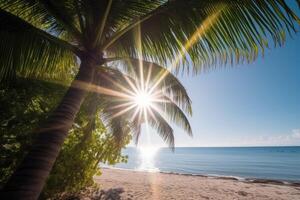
248,105
255,104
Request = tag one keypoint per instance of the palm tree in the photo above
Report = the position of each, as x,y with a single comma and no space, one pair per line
47,38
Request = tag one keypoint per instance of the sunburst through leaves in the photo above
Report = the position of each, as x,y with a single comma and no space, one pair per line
138,92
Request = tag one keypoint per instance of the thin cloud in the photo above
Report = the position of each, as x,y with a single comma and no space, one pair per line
296,133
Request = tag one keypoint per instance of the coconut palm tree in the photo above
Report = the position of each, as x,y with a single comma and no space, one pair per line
47,38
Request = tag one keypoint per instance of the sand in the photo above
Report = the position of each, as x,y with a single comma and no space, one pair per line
124,184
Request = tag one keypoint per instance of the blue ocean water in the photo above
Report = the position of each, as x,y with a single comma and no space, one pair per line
275,163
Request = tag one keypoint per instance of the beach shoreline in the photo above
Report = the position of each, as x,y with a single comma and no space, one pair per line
129,184
235,178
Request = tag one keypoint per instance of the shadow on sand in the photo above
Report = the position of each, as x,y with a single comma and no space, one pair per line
111,194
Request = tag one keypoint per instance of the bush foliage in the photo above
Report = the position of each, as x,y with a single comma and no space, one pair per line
25,105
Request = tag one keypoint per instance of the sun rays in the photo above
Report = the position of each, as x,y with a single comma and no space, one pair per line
136,96
141,92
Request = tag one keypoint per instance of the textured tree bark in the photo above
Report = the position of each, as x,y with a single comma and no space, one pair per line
28,180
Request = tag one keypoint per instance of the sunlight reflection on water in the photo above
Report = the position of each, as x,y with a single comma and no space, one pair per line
147,158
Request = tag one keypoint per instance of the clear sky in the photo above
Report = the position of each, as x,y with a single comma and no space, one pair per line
254,104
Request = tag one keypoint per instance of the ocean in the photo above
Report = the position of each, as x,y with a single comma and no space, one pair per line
272,163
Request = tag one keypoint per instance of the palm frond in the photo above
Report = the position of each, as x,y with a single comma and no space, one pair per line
207,33
160,78
112,79
174,114
130,17
33,13
163,128
64,13
28,51
136,126
102,18
56,17
117,126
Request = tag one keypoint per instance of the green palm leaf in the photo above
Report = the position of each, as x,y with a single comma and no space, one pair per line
162,127
57,17
206,33
174,114
28,51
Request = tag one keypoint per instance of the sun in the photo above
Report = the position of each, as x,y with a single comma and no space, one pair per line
143,99
141,96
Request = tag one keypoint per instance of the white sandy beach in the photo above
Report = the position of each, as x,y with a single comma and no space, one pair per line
129,185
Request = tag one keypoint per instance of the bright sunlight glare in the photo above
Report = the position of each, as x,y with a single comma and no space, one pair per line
148,151
143,99
147,155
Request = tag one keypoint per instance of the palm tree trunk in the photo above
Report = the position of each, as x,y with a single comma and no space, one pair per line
28,180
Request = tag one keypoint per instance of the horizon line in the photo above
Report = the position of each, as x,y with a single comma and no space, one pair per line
219,146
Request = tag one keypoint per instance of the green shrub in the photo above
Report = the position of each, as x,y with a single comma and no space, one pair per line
24,106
